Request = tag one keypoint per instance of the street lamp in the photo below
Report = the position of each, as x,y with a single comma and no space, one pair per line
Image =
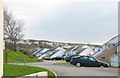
6,59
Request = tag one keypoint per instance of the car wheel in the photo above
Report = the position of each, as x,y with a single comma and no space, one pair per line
102,66
78,64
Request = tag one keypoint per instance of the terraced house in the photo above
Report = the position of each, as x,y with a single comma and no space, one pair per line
108,51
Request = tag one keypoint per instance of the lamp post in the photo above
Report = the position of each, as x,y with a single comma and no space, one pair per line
6,59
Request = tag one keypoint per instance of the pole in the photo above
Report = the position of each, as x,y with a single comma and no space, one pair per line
24,62
6,57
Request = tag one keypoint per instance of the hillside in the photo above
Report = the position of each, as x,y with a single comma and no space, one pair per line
75,44
14,55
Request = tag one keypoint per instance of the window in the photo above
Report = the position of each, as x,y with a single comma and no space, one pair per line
74,56
103,58
83,58
92,59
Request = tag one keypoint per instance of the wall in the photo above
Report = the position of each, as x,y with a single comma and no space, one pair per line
114,61
107,55
1,39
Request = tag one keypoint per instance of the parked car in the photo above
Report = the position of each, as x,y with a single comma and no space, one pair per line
46,58
87,61
57,58
70,57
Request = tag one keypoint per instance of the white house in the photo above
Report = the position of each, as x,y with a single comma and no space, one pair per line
36,51
59,53
97,52
48,53
44,55
44,50
40,52
87,52
51,52
73,51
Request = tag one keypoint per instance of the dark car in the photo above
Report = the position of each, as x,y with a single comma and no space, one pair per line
87,61
57,58
70,57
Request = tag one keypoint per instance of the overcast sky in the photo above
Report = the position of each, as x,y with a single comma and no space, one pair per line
83,21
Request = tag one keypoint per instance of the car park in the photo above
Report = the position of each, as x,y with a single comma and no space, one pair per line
70,57
87,61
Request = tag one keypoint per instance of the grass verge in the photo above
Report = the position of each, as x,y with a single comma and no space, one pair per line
63,63
12,57
20,70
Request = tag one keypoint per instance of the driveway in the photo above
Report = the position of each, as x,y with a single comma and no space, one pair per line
70,70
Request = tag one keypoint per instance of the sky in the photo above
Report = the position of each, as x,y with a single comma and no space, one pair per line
80,21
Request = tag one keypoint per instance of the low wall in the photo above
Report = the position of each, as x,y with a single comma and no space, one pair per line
1,38
36,75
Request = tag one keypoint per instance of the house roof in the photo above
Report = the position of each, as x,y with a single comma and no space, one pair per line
59,53
87,51
96,54
85,46
107,49
77,48
37,51
100,53
44,50
69,49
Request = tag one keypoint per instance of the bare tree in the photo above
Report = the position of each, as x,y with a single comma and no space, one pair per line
12,28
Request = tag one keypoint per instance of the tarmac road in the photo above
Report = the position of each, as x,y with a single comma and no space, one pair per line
70,70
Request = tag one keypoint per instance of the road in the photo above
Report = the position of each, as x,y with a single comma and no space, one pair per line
70,70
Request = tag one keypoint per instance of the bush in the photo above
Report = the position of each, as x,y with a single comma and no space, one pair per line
40,60
29,53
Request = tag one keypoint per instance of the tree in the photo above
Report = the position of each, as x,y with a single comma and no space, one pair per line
12,28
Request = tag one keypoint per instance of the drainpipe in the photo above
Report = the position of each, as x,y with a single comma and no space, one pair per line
119,37
1,39
118,52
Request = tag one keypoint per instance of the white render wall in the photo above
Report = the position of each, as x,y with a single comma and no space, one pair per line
60,53
115,61
1,38
88,51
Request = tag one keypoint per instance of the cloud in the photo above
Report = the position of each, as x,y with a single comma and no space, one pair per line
67,20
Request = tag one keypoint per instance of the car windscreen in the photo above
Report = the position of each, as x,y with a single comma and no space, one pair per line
92,59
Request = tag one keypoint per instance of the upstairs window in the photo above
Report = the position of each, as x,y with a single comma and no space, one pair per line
103,58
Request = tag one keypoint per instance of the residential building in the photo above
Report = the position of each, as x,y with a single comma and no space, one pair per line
108,50
87,51
59,53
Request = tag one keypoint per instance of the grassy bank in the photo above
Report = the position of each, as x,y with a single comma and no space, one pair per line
19,70
12,57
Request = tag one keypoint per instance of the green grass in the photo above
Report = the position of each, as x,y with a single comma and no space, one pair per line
20,70
13,55
63,63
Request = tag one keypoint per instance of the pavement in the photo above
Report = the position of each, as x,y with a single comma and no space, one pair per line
70,70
